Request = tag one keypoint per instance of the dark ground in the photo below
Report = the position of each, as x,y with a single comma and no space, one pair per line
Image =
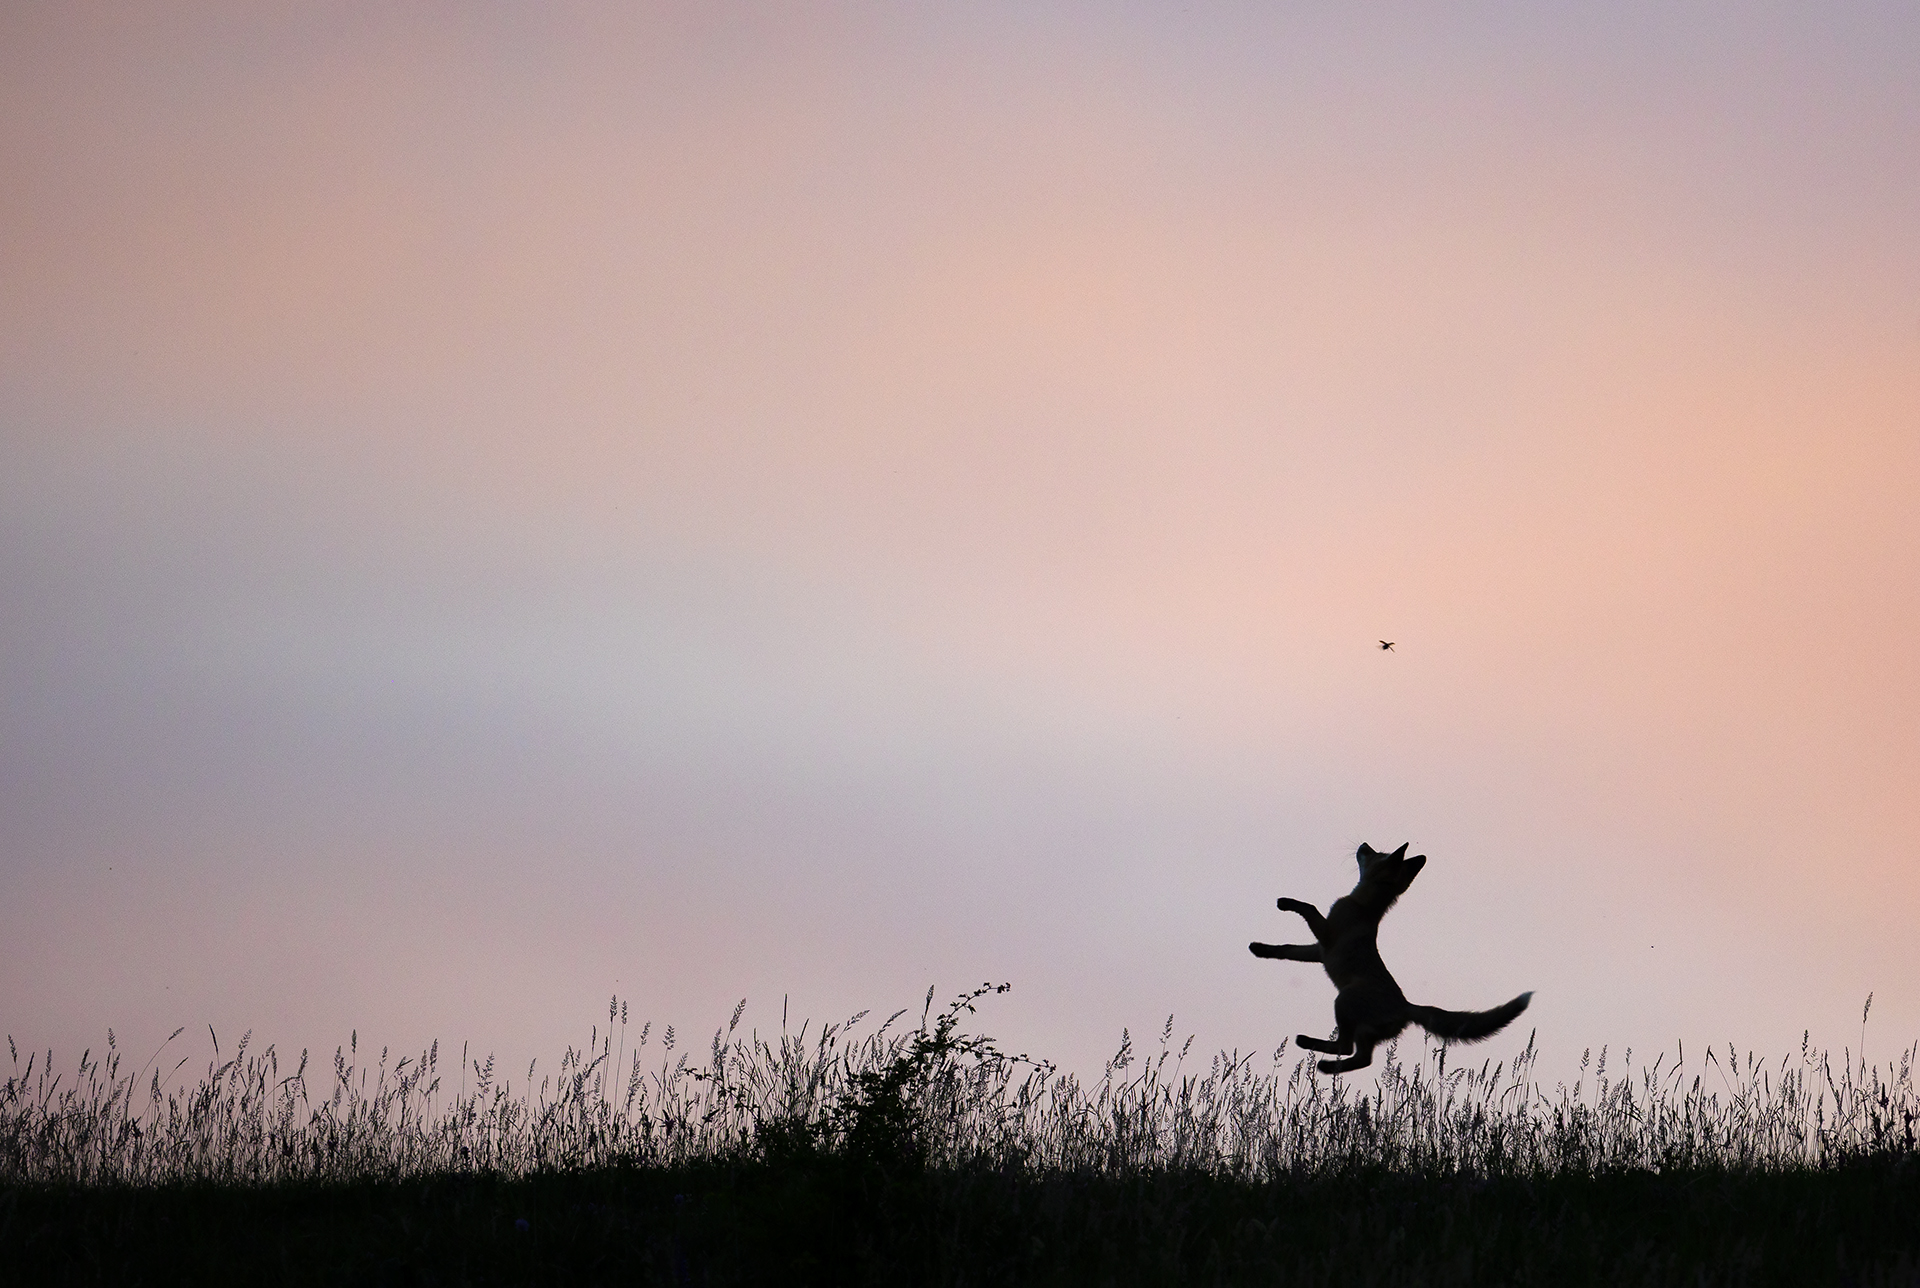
829,1221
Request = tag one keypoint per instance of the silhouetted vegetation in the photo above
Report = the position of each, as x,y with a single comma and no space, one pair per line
925,1154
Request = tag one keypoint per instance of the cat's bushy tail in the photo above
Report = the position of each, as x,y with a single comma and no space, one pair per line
1469,1026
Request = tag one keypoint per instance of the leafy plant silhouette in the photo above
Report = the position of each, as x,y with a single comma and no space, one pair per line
885,1115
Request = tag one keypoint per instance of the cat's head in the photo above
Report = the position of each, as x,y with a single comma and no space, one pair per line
1391,873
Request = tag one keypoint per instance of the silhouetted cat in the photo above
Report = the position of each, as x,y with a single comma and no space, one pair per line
1370,1007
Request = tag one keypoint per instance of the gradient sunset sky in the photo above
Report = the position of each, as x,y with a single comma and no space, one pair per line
507,504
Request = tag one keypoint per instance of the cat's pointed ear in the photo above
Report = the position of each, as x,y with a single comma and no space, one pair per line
1401,853
1365,851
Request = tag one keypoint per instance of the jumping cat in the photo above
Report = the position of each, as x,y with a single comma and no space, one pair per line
1370,1008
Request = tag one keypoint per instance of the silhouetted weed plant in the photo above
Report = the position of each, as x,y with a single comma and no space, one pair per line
935,1096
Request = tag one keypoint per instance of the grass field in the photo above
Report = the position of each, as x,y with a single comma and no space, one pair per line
922,1153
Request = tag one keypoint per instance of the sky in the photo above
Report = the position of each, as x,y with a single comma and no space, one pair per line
507,505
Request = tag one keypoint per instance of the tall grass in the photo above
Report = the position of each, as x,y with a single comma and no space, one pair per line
931,1094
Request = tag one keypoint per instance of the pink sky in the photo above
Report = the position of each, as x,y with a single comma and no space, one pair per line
499,508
